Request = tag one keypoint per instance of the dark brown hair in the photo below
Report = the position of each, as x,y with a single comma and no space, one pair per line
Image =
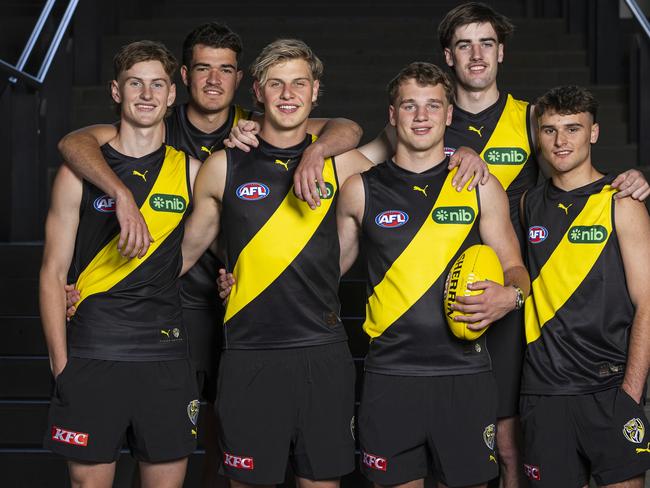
473,13
424,74
140,51
566,100
211,34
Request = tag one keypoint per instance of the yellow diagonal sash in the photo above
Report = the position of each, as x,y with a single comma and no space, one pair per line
508,134
567,266
240,113
108,267
420,264
277,244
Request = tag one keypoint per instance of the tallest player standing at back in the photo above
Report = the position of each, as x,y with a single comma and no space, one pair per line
500,129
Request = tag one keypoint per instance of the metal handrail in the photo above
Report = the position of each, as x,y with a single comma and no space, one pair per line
17,71
639,15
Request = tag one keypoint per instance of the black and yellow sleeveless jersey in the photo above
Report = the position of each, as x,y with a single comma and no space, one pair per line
198,285
579,314
130,308
501,134
285,256
414,227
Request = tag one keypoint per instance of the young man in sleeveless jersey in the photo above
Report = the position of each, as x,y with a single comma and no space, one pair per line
210,71
501,129
121,366
588,317
286,378
429,399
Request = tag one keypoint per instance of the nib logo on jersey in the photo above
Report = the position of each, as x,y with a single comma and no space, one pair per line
453,215
161,202
252,191
389,219
69,437
104,204
505,155
238,462
329,191
587,234
375,462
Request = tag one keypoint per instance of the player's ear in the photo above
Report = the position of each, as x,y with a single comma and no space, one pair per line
240,75
185,75
115,92
500,53
257,90
449,59
450,113
391,115
314,92
172,95
595,132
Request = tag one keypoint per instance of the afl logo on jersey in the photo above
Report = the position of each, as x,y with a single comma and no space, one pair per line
253,191
449,151
104,204
391,218
537,234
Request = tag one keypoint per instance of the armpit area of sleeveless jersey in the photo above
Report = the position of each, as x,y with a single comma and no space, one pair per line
285,256
579,314
501,136
130,308
414,227
198,285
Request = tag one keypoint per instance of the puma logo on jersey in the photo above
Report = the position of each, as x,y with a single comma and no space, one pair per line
206,149
492,458
282,163
471,128
165,333
566,209
141,175
639,450
423,190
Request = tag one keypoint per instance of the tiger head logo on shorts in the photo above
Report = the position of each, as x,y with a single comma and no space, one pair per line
488,436
193,411
634,430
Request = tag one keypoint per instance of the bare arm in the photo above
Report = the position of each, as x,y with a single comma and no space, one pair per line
335,136
497,232
202,227
81,151
349,214
633,230
349,164
60,234
381,147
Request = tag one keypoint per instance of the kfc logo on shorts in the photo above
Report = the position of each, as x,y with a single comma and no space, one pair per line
238,462
69,437
375,462
532,472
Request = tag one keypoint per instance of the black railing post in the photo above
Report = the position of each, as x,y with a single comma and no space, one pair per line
604,42
639,94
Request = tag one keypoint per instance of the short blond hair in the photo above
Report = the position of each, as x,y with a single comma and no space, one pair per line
283,50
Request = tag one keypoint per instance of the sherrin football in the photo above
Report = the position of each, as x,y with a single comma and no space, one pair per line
476,263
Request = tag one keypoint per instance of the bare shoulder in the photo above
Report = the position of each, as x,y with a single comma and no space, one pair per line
351,163
631,215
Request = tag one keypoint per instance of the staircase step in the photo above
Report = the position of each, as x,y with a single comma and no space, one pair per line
22,335
25,377
19,297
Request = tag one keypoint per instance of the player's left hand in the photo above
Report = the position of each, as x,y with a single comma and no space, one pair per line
487,307
635,395
72,296
470,167
225,282
243,135
631,183
308,177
